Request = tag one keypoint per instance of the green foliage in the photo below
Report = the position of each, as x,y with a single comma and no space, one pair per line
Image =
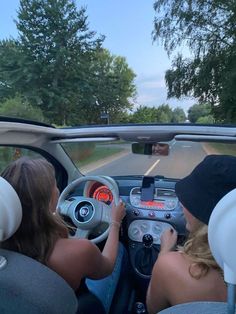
198,111
79,151
17,107
144,114
207,28
164,114
55,39
206,120
109,87
59,65
161,114
11,72
178,115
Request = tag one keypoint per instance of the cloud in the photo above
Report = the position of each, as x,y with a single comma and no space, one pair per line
153,84
152,92
146,99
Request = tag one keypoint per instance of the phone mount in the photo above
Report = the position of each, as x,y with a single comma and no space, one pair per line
147,189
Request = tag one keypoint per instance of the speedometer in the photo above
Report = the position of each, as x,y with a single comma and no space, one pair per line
103,194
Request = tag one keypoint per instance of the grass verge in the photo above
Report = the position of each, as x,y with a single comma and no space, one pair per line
100,153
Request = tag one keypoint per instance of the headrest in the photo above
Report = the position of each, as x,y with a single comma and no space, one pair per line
10,210
222,235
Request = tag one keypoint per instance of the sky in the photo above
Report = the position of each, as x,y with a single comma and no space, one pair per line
127,26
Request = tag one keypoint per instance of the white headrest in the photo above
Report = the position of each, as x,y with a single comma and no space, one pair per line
10,210
222,235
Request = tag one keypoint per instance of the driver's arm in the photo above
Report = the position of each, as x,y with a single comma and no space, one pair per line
105,260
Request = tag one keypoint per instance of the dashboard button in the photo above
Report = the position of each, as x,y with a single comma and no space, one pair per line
135,232
157,229
151,214
168,216
144,227
136,212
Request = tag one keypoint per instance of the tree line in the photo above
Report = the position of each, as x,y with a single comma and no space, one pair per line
58,71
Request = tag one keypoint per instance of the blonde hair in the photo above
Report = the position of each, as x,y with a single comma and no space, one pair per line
34,180
197,248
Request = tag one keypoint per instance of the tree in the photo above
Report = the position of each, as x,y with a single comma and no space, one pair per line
59,66
109,88
206,120
198,111
144,114
178,115
55,39
18,107
161,114
207,28
10,69
164,114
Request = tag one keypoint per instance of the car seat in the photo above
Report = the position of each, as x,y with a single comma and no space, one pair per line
27,286
222,239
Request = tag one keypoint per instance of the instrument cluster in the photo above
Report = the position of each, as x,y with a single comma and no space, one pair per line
103,194
99,192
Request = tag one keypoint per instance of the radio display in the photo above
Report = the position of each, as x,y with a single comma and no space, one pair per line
153,204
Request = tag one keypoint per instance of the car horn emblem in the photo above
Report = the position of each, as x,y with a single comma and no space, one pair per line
84,211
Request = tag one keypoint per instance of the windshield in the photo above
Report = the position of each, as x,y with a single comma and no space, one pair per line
116,158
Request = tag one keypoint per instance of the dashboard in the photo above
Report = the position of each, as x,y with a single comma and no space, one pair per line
151,216
146,218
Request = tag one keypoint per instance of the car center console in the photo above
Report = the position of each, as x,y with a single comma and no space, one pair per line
149,214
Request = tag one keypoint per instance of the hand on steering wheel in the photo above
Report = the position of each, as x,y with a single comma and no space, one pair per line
87,213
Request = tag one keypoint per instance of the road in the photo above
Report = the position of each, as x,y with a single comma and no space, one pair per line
183,157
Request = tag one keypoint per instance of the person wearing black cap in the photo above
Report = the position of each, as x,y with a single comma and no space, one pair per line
191,272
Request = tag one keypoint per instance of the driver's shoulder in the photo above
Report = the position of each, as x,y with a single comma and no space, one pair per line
74,246
73,252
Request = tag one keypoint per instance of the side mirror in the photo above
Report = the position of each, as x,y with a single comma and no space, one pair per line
155,149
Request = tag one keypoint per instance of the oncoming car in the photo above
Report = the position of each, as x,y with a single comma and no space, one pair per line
105,163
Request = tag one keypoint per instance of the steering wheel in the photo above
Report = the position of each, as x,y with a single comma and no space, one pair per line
85,212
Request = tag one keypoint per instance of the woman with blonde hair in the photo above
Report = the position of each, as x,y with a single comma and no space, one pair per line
191,273
44,236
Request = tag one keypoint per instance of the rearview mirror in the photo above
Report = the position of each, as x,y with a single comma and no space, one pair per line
155,149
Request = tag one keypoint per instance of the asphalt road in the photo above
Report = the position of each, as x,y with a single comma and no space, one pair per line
183,157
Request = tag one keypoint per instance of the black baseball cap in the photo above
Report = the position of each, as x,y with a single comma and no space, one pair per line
210,180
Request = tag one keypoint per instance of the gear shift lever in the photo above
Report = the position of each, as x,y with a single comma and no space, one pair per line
146,256
147,240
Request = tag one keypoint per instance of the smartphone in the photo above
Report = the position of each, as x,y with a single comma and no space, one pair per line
147,189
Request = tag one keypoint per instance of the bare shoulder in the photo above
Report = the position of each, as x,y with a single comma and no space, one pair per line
78,243
168,261
70,252
74,259
170,256
75,247
167,266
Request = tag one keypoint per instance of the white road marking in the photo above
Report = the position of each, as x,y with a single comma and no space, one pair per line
151,168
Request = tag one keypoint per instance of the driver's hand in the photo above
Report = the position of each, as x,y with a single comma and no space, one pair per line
168,240
118,212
